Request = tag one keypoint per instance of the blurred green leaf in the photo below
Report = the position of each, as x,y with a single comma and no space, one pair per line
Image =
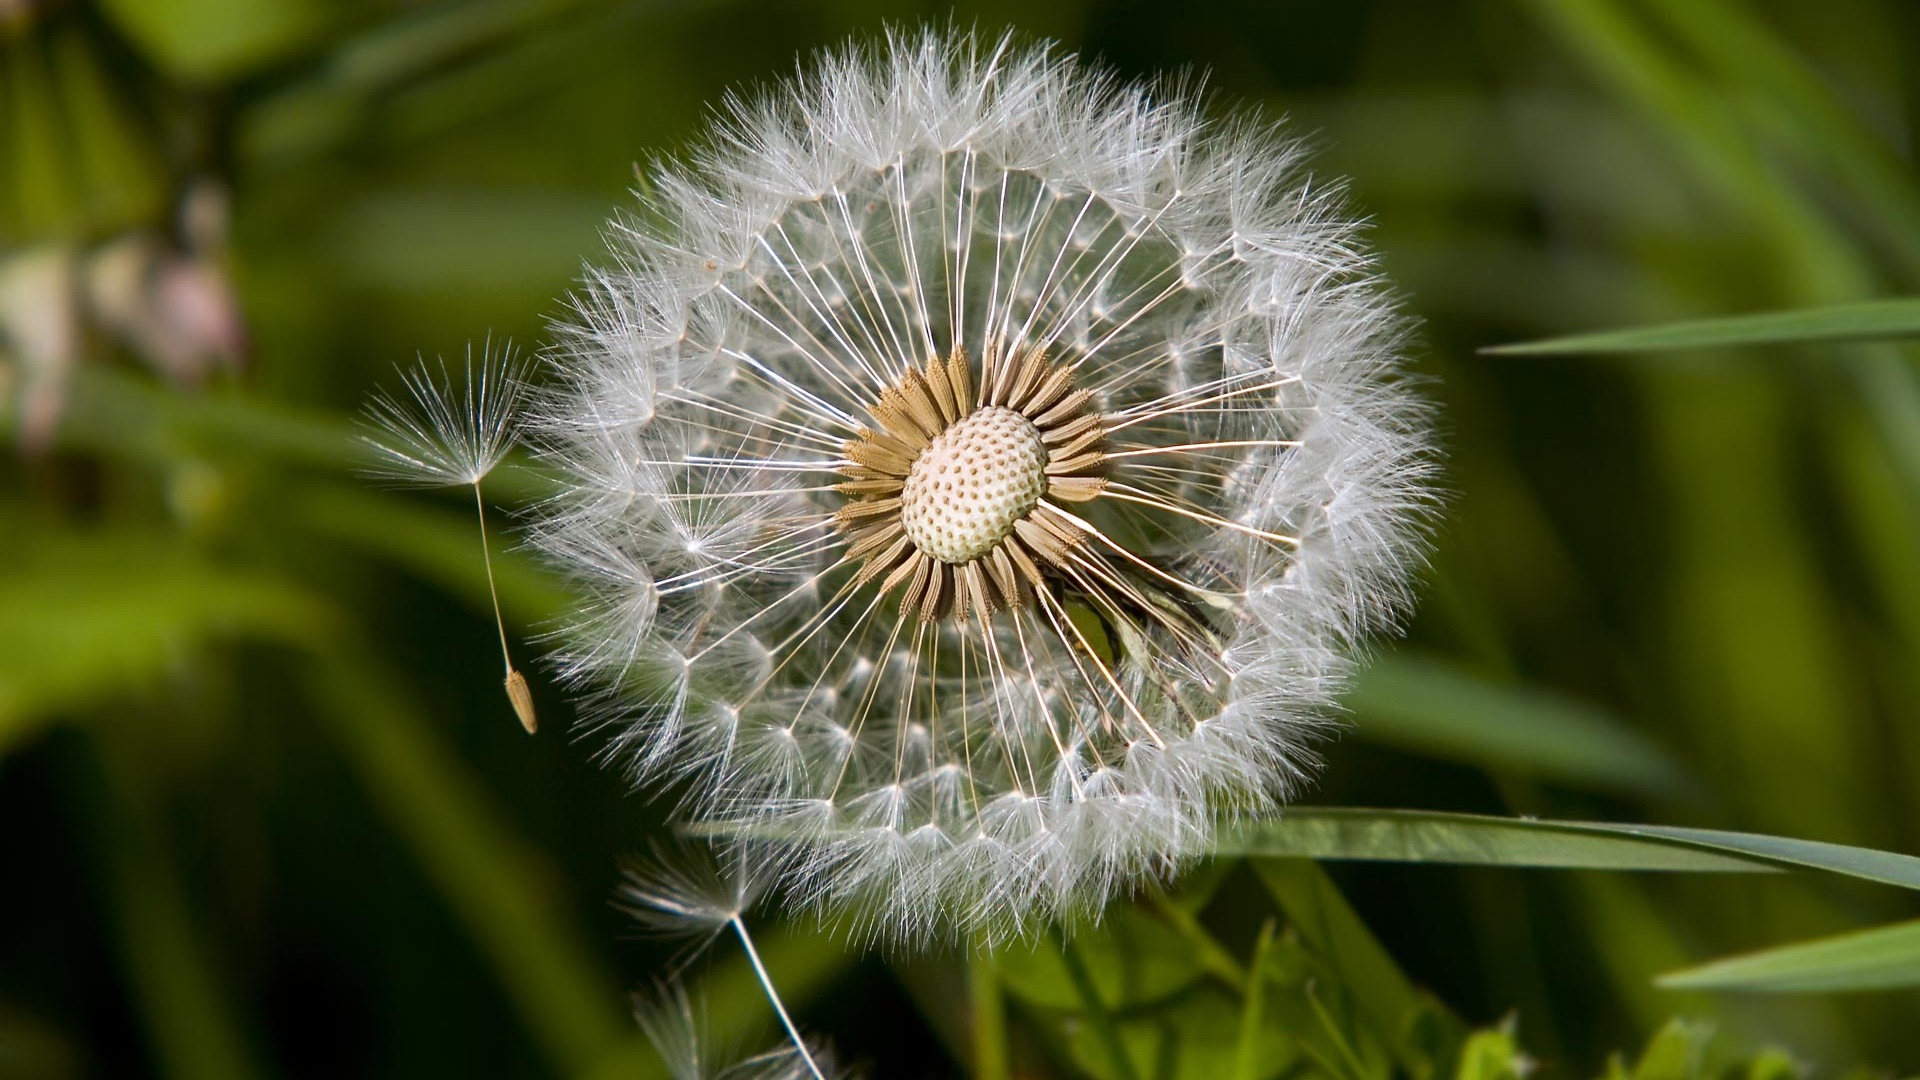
1336,935
1492,1055
461,240
988,1006
33,1049
1474,839
212,40
171,961
438,545
488,878
1423,705
1136,959
90,617
124,179
1677,1052
46,198
1883,958
1878,320
1098,1028
1253,1015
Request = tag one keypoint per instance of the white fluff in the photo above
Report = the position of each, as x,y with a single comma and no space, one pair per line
882,208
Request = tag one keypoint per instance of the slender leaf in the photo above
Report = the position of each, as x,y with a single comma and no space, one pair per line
1473,839
90,618
491,881
173,968
989,1010
1253,1014
1879,320
1320,915
1423,705
1883,958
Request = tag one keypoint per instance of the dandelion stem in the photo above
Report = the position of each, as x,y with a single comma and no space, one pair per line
517,691
773,996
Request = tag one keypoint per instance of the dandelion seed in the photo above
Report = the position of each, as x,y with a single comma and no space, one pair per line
668,1019
980,469
436,437
682,895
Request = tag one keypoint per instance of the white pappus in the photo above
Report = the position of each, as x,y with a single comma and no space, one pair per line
980,468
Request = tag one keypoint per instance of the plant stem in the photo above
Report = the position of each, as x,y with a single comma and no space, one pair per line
766,984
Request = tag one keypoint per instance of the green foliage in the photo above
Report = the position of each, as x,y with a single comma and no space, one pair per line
1883,958
271,815
1878,321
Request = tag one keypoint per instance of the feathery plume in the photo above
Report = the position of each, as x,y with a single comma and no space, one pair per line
980,468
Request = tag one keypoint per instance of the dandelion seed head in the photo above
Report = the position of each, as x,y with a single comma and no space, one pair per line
1011,456
441,435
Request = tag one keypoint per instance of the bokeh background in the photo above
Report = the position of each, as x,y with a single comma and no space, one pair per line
265,812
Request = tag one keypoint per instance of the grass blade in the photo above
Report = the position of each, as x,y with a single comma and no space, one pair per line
486,876
1883,958
1473,839
1877,320
1423,705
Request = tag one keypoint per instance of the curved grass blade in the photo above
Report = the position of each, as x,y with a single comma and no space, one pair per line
1428,707
1877,320
1473,839
1883,958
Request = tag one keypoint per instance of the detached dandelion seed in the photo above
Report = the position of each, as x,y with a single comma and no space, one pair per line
679,897
668,1019
437,437
980,469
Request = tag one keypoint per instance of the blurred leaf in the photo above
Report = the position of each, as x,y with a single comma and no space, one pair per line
1474,839
46,197
212,40
1132,959
460,240
124,179
1824,131
1677,1052
1883,958
1098,1028
489,879
33,1049
133,418
1878,320
170,963
1247,1063
1423,705
1336,935
93,616
438,545
1492,1055
988,1007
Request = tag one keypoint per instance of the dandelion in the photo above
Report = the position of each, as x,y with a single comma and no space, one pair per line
688,897
668,1019
980,469
437,437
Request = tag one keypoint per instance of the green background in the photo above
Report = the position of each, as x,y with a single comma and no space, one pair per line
266,812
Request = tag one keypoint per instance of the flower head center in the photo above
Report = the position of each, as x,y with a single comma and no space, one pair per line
970,486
